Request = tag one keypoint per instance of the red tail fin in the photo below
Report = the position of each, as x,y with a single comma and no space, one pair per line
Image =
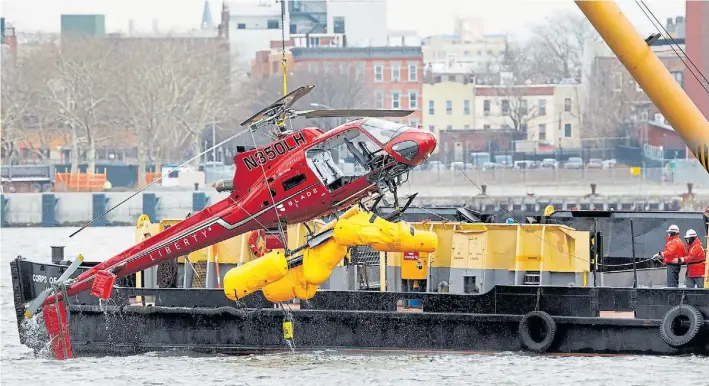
58,329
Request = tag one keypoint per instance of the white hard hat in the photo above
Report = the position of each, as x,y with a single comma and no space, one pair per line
690,233
673,228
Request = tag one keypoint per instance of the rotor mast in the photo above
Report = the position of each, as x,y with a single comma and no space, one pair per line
652,76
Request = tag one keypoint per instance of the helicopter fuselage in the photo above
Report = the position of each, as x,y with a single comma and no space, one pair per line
291,180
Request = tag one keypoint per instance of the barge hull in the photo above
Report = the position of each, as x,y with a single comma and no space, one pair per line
204,320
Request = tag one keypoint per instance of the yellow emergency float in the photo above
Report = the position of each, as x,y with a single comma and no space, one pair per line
256,274
278,283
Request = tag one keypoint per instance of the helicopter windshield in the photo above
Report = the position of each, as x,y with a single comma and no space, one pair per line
383,130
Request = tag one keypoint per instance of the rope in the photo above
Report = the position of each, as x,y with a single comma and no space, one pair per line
273,201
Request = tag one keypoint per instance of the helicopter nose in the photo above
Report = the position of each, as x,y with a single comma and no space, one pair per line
427,144
416,148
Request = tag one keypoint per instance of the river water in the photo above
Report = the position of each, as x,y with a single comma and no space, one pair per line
20,366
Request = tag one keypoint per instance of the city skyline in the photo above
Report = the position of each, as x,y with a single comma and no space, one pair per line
426,18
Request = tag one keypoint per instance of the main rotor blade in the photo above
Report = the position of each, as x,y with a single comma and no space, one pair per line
336,113
280,105
37,302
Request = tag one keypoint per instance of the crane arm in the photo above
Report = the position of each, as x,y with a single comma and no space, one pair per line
652,76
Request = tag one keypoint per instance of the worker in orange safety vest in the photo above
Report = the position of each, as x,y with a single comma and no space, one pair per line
695,260
671,254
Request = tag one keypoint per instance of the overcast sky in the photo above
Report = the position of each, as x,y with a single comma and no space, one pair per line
427,17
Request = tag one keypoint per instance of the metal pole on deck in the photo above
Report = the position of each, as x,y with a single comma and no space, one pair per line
214,141
594,264
632,243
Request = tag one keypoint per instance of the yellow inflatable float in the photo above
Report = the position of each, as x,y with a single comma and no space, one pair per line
283,278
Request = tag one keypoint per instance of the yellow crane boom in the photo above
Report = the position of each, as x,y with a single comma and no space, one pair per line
652,76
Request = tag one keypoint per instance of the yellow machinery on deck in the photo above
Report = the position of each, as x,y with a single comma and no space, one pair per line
474,257
427,256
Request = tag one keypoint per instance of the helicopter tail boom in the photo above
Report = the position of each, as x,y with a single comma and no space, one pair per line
209,226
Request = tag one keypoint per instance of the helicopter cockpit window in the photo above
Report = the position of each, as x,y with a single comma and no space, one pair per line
383,130
343,158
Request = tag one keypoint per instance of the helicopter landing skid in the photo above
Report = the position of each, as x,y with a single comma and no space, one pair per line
398,211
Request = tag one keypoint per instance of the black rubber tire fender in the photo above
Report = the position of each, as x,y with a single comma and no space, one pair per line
696,321
525,333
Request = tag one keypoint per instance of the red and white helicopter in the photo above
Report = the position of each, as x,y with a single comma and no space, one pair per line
291,180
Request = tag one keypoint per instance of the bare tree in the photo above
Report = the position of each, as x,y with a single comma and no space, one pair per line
613,99
152,85
79,89
26,115
15,105
337,85
206,70
514,104
511,92
516,66
558,45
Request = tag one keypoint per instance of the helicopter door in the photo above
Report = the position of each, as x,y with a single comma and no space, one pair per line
324,167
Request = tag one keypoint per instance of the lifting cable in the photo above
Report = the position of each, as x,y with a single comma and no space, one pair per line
660,28
280,123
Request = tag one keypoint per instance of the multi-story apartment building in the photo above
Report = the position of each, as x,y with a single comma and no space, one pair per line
448,101
549,114
468,50
392,76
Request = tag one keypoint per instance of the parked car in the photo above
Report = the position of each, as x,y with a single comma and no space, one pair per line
458,166
595,163
503,161
609,163
525,164
549,163
435,165
490,165
574,163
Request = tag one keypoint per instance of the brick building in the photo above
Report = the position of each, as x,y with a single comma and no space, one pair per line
697,42
392,75
658,132
609,81
268,62
458,144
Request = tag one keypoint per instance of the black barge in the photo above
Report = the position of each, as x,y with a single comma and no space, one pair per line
543,319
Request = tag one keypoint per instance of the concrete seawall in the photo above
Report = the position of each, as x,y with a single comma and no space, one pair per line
72,209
